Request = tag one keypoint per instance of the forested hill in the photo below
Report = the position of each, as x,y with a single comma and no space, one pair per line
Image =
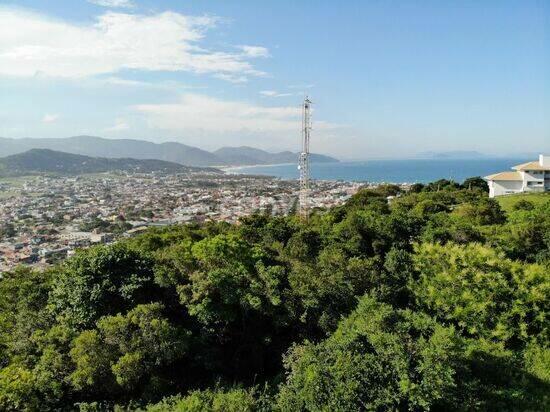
438,300
50,161
168,151
245,155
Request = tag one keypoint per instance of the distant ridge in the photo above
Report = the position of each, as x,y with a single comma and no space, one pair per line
139,149
245,155
114,148
456,154
51,161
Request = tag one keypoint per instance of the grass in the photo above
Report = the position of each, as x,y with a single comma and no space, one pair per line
507,202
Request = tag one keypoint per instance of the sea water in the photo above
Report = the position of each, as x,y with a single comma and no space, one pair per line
394,171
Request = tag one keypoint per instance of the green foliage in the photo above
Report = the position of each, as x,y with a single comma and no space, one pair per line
234,400
526,236
101,281
23,297
523,205
378,359
476,183
436,300
482,293
17,389
125,350
483,211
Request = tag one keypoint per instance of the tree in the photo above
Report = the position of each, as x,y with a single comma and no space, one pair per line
482,293
23,298
484,211
435,301
416,188
125,351
378,359
17,389
217,400
476,183
101,281
523,204
235,292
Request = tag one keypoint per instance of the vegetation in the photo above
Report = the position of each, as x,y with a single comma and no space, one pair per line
49,161
509,202
437,300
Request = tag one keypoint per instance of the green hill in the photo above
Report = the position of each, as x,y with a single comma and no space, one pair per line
139,149
50,161
435,301
509,201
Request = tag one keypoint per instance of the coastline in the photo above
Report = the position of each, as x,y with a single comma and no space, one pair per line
392,170
236,169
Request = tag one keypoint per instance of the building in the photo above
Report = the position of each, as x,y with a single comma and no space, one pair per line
527,177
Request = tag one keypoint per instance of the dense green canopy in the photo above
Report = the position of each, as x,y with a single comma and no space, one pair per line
436,300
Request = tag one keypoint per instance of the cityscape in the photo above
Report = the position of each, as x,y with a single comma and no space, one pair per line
274,206
47,217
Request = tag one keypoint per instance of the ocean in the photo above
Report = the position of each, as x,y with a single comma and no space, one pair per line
390,171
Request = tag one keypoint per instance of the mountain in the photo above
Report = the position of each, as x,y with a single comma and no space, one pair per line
50,161
140,149
11,146
114,148
456,154
245,155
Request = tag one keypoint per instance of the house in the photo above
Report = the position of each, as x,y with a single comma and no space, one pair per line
526,177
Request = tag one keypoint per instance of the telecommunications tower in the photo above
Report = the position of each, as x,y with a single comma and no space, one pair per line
303,165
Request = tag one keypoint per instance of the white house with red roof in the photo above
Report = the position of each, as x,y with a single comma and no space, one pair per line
526,177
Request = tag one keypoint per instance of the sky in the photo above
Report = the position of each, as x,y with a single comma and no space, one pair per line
387,78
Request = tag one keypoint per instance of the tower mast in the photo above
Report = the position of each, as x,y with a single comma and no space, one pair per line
304,159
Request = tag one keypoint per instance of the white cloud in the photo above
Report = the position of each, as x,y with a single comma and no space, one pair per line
273,93
204,113
232,78
197,112
113,3
118,81
210,123
50,118
32,44
255,51
120,125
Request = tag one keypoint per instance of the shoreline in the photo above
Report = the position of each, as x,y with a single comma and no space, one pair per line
232,169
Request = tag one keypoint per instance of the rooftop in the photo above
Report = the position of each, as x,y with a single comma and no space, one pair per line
531,166
505,176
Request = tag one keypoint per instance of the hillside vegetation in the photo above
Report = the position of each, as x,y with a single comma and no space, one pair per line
510,202
50,161
436,301
140,149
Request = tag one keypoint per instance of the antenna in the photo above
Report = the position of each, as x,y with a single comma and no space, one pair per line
303,165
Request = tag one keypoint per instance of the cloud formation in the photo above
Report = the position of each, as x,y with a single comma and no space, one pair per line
255,51
211,122
199,112
113,3
32,44
274,93
50,118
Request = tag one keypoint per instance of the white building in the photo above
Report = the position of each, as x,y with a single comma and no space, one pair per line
526,177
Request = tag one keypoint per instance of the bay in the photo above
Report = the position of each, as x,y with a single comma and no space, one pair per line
390,171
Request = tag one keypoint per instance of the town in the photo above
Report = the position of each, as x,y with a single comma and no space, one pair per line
45,218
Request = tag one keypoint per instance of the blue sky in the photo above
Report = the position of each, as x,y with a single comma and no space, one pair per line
389,79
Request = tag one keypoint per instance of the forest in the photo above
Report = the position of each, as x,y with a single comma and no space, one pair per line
430,299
